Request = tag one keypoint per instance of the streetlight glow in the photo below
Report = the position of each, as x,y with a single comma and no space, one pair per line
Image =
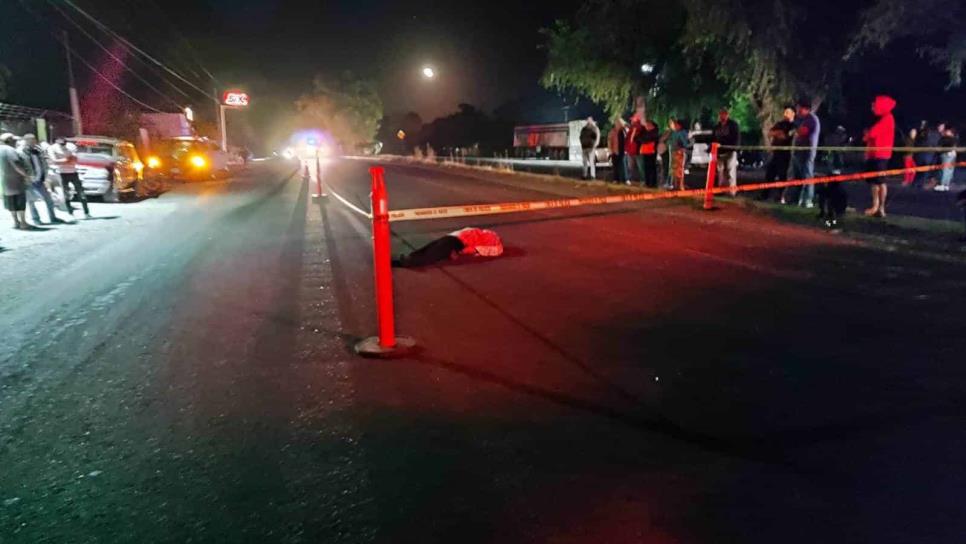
428,72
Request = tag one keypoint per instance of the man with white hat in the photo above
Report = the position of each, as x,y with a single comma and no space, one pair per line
14,173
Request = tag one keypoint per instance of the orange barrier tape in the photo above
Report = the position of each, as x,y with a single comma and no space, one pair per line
442,212
834,179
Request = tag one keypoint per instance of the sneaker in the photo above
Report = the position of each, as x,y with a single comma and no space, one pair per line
57,220
809,205
940,188
88,216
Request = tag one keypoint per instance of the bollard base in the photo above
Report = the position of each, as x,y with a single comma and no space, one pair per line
370,348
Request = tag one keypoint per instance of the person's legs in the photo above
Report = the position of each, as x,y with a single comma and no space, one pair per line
650,170
79,189
32,199
909,175
592,161
628,168
39,192
733,172
639,165
946,178
883,192
807,171
583,161
438,250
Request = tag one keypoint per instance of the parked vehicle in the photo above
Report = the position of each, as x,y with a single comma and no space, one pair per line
107,167
188,158
555,141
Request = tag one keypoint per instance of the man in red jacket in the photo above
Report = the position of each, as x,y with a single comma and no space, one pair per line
880,139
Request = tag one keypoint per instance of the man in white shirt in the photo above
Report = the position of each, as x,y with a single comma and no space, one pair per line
65,162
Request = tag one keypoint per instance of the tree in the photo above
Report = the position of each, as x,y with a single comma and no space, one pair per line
939,26
622,49
347,107
771,51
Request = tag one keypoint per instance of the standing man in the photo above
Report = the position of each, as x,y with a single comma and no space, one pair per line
66,164
727,133
615,144
589,140
807,130
648,138
780,135
14,173
635,164
37,188
880,138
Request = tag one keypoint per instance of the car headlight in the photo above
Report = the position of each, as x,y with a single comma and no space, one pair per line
154,162
198,161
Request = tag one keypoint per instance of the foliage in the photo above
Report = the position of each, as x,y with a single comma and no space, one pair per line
771,51
938,25
469,127
602,58
349,108
576,64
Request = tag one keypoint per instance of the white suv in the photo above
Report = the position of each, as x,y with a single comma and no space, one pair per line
107,167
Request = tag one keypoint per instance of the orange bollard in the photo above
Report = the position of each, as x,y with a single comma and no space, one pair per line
712,172
387,344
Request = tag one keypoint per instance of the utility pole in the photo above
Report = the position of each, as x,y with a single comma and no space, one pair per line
220,114
72,89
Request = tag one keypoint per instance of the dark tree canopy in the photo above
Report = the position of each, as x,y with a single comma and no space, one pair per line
349,108
757,53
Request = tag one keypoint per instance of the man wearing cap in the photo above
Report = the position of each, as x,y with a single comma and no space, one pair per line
66,164
14,173
37,188
727,133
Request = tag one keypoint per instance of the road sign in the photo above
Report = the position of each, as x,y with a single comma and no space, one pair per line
235,99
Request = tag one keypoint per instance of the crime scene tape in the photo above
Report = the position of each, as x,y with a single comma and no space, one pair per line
440,212
840,148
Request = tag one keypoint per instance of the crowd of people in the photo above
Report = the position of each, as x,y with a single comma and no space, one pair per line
638,147
26,181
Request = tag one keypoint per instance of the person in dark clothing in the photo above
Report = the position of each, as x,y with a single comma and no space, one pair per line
648,138
781,136
727,133
927,137
836,159
467,241
616,141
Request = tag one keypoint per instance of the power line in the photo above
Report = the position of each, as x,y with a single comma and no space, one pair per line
130,45
84,61
193,52
118,59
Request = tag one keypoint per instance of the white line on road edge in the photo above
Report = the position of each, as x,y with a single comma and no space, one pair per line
350,205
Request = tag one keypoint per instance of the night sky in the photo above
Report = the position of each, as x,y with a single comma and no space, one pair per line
485,53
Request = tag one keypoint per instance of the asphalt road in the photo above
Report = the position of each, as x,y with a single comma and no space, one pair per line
183,372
